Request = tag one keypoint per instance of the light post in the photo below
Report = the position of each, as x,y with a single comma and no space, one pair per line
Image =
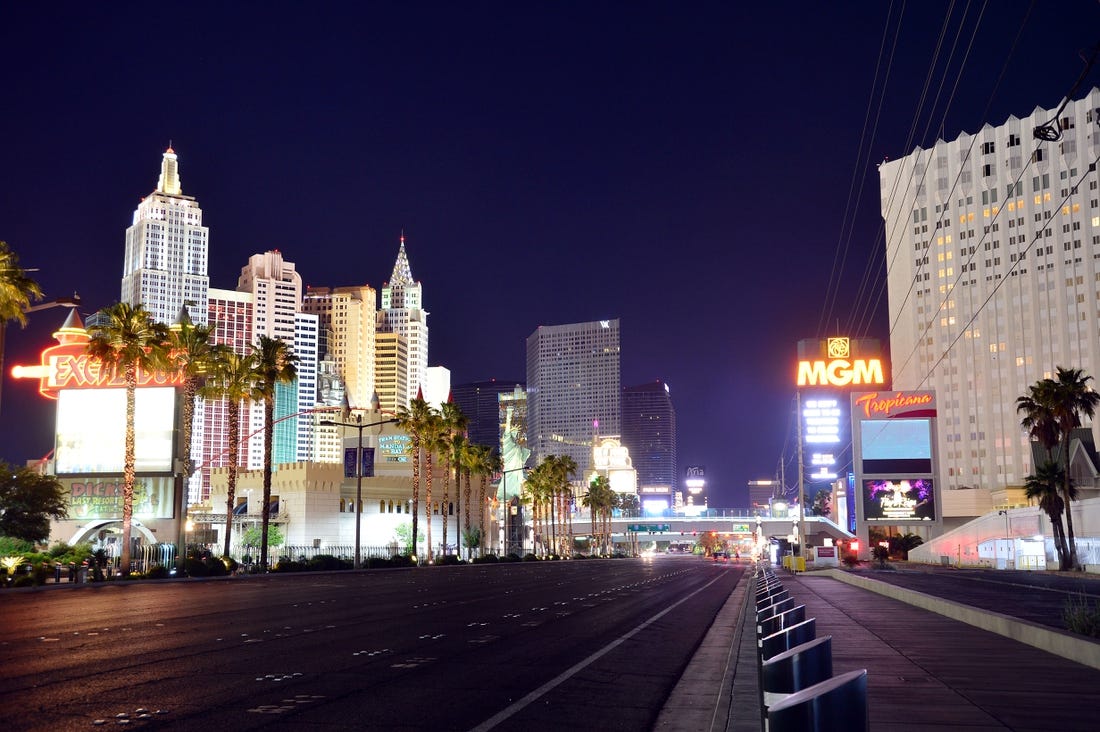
357,424
1007,537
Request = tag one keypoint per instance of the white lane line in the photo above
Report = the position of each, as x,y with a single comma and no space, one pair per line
564,676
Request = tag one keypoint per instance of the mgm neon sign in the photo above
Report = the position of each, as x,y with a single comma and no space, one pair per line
840,369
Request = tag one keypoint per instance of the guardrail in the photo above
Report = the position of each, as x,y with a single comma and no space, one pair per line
799,692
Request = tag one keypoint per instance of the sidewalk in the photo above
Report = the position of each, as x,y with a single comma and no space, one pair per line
925,671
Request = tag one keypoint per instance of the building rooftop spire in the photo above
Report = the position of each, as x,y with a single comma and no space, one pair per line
169,181
402,273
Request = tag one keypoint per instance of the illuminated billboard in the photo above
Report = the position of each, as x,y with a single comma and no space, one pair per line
896,445
892,501
91,430
395,448
101,498
839,368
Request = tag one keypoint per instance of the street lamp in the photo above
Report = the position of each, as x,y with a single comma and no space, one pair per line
358,471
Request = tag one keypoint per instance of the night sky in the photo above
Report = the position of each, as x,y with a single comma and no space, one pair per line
703,171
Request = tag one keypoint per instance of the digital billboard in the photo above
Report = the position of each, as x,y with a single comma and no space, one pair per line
395,448
101,498
896,445
91,430
907,500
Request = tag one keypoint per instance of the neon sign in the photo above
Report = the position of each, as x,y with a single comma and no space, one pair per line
840,372
874,405
69,366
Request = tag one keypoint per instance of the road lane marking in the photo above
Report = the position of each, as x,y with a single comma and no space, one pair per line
569,673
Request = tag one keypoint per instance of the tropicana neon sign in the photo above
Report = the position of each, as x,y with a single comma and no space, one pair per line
840,372
872,404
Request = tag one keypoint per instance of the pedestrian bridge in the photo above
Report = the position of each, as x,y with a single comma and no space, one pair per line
726,523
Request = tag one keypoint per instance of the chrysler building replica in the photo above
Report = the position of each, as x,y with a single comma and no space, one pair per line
166,251
402,313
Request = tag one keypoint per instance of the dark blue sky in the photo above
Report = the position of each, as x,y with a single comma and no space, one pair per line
690,168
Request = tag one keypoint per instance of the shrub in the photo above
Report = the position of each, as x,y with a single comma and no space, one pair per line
215,567
157,571
528,557
23,580
327,563
850,559
195,567
1081,617
880,554
487,559
287,565
449,559
230,563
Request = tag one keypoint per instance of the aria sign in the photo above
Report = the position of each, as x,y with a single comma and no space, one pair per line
840,369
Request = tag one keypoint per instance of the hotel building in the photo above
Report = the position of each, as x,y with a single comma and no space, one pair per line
403,313
993,252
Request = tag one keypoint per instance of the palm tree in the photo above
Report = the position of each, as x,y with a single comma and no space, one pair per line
17,291
126,339
190,353
1043,486
413,420
564,468
235,378
484,462
594,500
453,424
538,486
1052,409
275,364
433,441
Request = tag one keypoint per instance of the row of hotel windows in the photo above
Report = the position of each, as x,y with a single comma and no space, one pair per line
347,505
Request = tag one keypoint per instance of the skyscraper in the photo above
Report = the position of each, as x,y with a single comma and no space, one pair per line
165,264
573,391
479,402
403,313
347,318
993,241
649,433
391,370
276,289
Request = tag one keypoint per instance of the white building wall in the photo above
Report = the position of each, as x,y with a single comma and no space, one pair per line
993,253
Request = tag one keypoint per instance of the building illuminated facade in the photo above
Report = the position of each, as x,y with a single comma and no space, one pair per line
347,317
165,262
403,313
994,282
649,432
573,389
391,369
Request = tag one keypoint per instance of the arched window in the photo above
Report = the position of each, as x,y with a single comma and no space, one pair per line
451,509
343,505
391,507
382,506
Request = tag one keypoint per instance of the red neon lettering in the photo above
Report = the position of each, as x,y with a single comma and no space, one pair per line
872,405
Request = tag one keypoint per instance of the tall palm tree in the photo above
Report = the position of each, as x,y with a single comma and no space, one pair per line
17,291
126,339
234,378
453,430
191,354
1073,398
484,462
1043,486
275,364
594,500
538,487
433,441
413,420
564,468
1052,409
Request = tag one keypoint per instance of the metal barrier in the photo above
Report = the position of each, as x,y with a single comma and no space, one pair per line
780,607
788,638
775,623
840,703
763,602
798,668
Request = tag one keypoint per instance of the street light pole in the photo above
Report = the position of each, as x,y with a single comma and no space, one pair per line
59,302
358,473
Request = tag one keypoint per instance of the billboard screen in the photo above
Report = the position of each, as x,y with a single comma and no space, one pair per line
91,430
909,500
896,445
101,497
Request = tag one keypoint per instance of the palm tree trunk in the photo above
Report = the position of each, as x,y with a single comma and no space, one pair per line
416,493
446,494
269,457
128,470
428,499
234,414
1070,539
481,512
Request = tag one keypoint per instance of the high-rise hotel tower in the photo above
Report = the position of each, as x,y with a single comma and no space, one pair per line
993,250
573,390
165,265
403,314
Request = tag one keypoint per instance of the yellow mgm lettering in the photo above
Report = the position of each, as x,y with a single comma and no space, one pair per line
840,372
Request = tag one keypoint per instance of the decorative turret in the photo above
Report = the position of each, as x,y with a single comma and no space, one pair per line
402,273
169,181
